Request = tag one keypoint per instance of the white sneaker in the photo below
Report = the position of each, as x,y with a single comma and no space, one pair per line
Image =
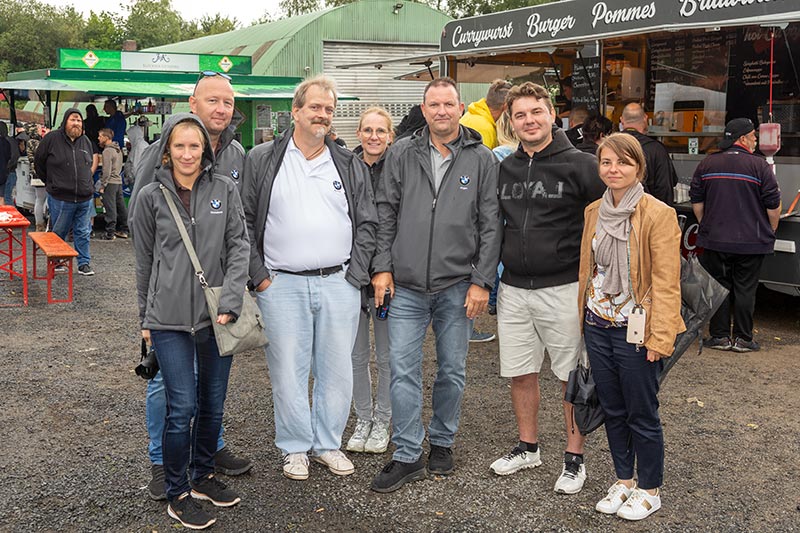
295,466
640,505
514,461
571,479
617,495
336,461
378,440
360,436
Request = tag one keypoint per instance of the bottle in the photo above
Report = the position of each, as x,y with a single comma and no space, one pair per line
383,311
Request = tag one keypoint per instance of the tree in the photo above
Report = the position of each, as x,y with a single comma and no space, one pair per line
103,30
292,8
469,8
153,23
207,25
31,33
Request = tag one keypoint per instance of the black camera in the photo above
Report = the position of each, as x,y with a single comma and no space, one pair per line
148,366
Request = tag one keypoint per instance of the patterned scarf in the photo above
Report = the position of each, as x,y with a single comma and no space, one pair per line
613,228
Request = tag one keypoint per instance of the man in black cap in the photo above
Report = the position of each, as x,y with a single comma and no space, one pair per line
737,201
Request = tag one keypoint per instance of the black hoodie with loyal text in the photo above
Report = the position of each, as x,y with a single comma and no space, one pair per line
542,199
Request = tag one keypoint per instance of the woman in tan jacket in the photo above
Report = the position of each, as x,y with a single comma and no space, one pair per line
630,306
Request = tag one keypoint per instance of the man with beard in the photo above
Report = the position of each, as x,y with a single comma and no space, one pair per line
64,163
311,219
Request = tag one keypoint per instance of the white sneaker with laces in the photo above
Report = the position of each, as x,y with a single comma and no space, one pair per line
640,505
617,495
295,466
336,461
378,440
516,460
360,436
571,479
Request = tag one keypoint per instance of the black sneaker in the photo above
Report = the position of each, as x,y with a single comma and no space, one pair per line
396,474
230,465
440,460
742,346
156,485
85,270
718,343
189,513
215,491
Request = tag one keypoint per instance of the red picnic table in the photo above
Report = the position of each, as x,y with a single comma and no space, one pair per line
12,255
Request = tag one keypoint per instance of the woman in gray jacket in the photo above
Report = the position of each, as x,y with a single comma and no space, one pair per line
173,311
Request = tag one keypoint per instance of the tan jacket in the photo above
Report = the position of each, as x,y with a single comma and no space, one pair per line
655,265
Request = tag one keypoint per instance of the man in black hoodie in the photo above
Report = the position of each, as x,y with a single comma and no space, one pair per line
544,187
64,163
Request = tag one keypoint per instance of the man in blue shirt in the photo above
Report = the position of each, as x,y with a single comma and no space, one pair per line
116,121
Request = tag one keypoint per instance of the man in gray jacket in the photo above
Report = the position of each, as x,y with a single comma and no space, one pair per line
311,220
213,103
110,187
438,247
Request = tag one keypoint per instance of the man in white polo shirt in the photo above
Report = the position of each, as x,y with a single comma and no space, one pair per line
312,221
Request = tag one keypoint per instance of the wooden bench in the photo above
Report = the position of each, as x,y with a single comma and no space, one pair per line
58,253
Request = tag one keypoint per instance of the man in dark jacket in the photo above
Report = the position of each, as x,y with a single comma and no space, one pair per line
213,103
660,176
438,246
737,201
544,188
311,220
64,163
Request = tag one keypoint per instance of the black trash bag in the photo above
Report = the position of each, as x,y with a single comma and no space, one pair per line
701,296
582,394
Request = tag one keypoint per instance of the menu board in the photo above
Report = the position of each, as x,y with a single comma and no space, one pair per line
750,61
586,83
699,60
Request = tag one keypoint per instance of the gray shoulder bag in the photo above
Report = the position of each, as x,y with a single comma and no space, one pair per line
247,332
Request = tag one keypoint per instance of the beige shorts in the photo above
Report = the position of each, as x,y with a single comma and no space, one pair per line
530,320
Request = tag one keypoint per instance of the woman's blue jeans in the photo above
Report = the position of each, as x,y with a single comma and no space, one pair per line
187,444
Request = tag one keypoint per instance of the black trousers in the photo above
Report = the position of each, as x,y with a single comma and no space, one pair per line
116,212
739,274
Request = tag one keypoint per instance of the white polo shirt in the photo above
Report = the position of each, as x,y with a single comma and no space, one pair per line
308,225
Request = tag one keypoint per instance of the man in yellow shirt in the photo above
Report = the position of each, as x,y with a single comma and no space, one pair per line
482,115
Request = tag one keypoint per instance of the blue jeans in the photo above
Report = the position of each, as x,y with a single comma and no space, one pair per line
362,378
10,182
409,316
187,443
156,414
627,387
493,294
311,324
75,216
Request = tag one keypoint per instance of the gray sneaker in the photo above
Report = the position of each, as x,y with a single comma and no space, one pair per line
718,343
742,346
85,270
378,440
516,460
360,436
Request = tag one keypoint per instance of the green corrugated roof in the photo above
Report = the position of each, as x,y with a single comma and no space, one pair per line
300,38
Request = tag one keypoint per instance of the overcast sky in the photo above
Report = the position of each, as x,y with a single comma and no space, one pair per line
188,9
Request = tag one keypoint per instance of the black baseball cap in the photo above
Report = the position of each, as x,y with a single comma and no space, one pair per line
735,129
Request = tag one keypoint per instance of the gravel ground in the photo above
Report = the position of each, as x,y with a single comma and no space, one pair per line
73,440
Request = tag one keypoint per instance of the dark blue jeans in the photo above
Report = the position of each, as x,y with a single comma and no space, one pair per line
627,387
187,444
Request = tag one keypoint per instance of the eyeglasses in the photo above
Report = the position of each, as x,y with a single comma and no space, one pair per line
209,74
380,132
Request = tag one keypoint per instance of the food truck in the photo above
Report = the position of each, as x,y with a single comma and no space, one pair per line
694,64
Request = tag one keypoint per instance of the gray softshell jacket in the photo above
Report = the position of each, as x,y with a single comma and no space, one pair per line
228,161
170,296
261,167
430,240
